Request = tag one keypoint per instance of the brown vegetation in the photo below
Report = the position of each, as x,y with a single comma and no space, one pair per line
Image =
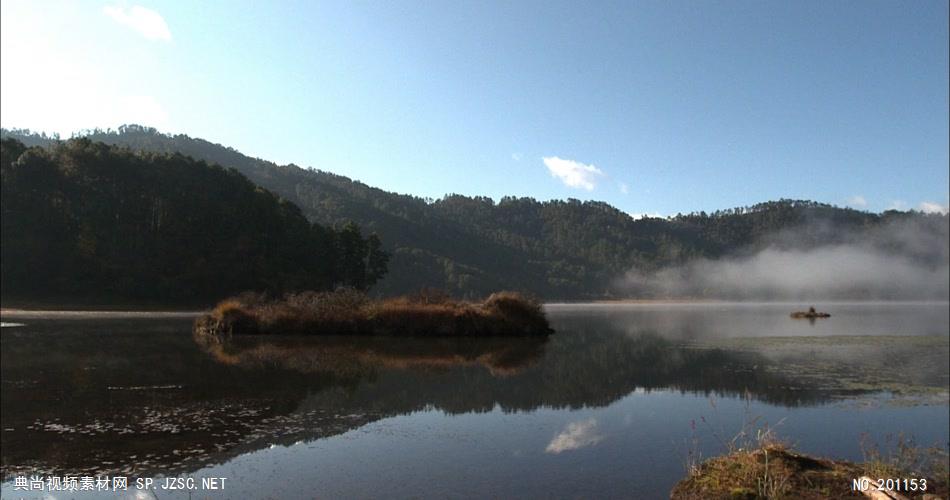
757,464
348,312
769,472
810,314
774,471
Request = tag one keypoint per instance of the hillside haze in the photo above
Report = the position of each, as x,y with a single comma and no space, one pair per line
471,246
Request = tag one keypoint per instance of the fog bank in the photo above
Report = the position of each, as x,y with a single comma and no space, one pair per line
903,260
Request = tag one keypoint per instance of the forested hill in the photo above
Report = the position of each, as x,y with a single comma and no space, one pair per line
85,221
555,249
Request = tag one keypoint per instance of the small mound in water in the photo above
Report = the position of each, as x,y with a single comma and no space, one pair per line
811,313
348,312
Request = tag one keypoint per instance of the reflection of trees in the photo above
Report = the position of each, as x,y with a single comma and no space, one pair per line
190,407
578,368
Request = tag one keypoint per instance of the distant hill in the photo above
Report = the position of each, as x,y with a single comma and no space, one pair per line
569,249
87,222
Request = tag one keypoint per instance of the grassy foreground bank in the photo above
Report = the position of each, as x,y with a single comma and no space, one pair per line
774,471
348,312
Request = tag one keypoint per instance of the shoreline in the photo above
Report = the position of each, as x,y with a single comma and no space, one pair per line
775,470
119,310
16,313
797,303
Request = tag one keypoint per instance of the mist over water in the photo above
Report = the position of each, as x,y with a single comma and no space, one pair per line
599,409
716,320
900,260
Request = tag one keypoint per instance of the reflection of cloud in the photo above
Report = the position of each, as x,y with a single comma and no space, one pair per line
143,495
575,436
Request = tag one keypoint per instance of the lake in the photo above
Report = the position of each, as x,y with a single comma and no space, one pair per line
612,405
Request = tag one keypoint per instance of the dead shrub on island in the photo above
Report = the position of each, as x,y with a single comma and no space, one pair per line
350,312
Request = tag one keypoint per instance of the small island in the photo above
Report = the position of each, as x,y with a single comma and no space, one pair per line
811,313
350,312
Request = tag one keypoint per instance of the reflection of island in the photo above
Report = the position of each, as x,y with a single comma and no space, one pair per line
353,356
113,395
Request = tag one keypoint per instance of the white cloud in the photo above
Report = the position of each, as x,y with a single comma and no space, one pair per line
857,201
573,173
516,156
932,208
94,95
68,110
147,22
143,110
897,205
624,188
575,436
645,215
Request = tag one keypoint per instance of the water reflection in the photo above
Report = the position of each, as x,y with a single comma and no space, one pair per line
702,321
360,356
140,396
575,435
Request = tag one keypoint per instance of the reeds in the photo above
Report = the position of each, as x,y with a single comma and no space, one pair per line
757,464
349,312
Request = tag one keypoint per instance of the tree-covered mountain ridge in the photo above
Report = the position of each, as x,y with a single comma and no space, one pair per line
88,222
558,249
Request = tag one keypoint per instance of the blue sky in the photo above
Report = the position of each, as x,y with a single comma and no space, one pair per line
654,107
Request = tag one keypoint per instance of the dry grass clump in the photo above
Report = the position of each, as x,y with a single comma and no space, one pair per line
774,471
518,309
902,457
349,312
757,464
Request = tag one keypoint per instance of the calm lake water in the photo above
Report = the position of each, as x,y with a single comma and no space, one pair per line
610,406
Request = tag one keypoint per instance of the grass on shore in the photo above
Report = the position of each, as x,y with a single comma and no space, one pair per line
348,312
775,471
761,466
